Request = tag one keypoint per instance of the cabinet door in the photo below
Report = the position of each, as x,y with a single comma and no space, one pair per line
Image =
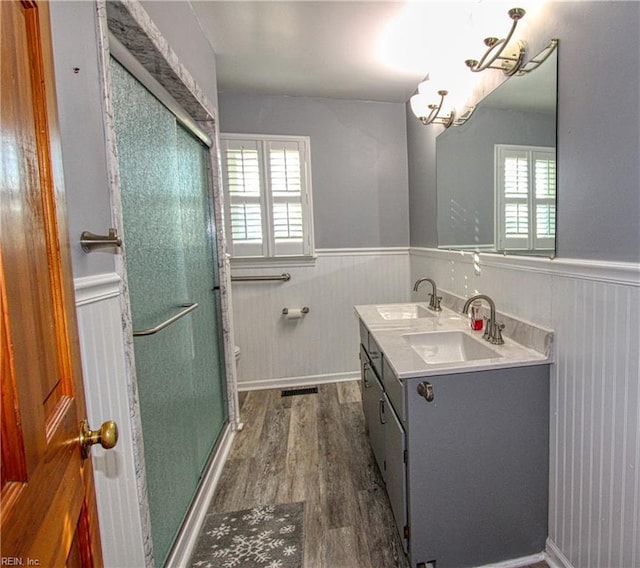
375,355
396,477
372,402
478,466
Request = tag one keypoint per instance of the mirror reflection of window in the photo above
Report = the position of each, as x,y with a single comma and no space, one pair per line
520,112
525,198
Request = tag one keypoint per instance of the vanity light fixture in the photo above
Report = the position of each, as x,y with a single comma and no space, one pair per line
509,64
534,63
466,115
426,110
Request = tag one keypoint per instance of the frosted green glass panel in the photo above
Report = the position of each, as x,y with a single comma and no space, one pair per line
169,253
200,268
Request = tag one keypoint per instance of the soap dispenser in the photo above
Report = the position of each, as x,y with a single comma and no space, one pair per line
476,315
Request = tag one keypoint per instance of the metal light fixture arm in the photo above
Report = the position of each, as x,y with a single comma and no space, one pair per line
433,117
497,46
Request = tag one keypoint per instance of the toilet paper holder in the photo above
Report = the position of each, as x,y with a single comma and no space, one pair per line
304,310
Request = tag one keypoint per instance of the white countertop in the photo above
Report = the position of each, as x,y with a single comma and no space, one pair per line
407,364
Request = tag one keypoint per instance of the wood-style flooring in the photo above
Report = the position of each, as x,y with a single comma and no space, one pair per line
313,448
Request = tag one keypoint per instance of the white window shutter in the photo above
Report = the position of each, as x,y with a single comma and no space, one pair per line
268,191
544,173
288,196
515,185
242,163
525,197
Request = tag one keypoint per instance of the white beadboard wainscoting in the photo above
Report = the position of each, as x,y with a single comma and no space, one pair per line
107,396
118,473
322,346
594,309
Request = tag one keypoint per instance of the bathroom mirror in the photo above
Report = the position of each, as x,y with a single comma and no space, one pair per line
496,172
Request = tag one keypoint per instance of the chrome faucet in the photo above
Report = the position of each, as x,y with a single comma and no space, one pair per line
434,299
492,329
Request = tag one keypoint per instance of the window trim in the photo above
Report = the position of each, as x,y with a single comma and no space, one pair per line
269,255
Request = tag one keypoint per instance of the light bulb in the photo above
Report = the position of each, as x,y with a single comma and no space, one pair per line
435,82
420,105
424,88
489,19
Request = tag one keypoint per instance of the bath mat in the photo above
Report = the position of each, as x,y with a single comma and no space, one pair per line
262,537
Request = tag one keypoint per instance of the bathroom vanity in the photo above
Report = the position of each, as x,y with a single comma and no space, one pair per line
460,431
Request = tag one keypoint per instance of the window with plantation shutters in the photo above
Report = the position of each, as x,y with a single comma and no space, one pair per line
525,197
268,195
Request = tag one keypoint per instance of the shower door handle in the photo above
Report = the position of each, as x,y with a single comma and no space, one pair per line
151,330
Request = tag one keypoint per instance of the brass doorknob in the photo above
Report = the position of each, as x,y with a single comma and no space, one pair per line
107,436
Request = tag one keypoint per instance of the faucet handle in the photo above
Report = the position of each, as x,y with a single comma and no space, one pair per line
496,338
435,303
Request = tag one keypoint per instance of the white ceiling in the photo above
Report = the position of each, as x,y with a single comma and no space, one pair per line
324,48
365,50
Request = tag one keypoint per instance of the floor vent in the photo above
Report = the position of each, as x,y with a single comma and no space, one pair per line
294,392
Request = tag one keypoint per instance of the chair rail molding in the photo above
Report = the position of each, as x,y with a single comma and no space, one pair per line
626,273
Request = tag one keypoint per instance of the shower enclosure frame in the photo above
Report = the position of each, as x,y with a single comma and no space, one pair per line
132,27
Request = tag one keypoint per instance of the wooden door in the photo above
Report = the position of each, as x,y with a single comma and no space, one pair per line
47,497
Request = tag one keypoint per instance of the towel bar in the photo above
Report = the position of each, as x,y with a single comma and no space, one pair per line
284,277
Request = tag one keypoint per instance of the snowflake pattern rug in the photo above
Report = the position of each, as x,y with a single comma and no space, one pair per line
262,537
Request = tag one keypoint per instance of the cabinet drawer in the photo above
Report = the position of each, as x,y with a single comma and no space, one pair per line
394,389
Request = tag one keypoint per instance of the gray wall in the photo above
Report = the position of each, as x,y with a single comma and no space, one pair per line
358,162
81,115
421,159
73,27
598,133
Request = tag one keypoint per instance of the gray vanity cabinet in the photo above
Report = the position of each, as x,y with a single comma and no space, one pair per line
467,472
478,458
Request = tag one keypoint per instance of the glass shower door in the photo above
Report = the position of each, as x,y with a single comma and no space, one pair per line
168,231
200,266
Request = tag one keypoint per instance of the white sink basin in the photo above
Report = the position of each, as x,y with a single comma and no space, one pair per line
404,311
448,347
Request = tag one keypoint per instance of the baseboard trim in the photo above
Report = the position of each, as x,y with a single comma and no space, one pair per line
188,535
517,562
554,556
289,382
